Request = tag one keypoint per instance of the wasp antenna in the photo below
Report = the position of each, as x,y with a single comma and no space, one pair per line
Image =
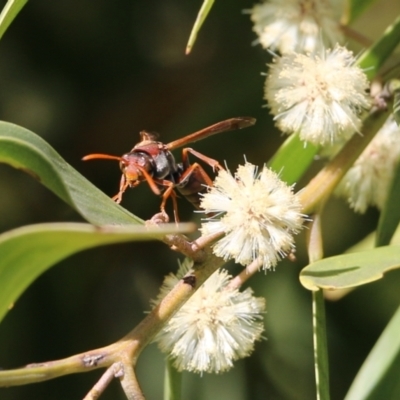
104,156
150,181
244,122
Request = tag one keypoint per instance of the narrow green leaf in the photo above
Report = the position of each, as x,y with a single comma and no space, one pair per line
201,17
9,12
350,270
396,100
24,150
29,251
320,346
390,215
374,57
356,8
172,382
292,159
378,377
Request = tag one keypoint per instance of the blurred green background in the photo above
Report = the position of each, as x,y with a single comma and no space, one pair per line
87,76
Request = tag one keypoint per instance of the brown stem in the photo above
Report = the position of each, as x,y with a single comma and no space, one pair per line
143,333
129,347
357,36
115,371
193,250
237,281
130,384
323,184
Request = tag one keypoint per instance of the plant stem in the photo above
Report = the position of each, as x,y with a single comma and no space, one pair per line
320,346
130,384
127,348
315,253
323,184
115,371
237,281
172,382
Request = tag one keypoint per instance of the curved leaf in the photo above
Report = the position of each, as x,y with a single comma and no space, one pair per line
378,376
292,159
25,150
390,215
355,8
29,251
349,270
374,57
201,17
396,103
172,382
8,13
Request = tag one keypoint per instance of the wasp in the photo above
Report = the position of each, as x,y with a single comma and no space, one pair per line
152,161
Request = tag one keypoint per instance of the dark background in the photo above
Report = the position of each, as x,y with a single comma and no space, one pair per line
87,76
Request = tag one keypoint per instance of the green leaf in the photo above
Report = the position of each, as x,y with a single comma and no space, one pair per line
29,251
374,57
350,270
9,12
390,215
24,150
321,360
292,159
201,16
172,382
396,100
356,8
378,377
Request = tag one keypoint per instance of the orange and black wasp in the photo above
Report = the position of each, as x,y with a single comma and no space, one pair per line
152,161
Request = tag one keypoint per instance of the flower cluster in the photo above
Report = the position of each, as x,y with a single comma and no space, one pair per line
368,180
216,326
303,26
257,212
319,97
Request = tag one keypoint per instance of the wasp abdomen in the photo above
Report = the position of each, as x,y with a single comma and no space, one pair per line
194,184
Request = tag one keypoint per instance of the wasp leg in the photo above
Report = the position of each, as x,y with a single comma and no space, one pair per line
197,174
193,182
123,185
169,192
214,164
175,206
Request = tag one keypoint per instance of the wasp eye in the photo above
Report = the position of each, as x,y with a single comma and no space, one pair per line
123,165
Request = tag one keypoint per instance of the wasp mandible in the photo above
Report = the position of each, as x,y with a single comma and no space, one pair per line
152,161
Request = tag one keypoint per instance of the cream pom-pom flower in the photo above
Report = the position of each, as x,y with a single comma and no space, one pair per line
367,182
319,97
303,26
215,327
257,212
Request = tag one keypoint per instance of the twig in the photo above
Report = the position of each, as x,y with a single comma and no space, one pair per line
39,372
323,184
357,36
206,240
115,371
130,384
193,250
249,271
129,347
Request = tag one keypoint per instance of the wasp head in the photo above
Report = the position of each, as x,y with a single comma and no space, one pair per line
138,167
134,166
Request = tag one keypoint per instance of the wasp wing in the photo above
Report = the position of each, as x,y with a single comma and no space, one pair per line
223,126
